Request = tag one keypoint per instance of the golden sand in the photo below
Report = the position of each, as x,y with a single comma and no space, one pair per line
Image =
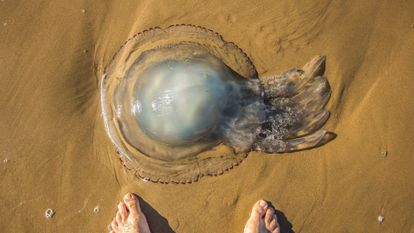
55,154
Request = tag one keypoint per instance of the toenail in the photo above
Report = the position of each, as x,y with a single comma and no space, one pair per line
263,204
128,197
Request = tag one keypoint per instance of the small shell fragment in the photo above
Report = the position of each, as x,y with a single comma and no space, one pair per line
384,153
96,209
49,213
380,218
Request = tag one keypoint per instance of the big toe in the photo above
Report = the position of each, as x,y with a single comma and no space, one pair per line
132,204
255,222
259,209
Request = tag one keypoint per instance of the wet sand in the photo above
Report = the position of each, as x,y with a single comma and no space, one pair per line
55,154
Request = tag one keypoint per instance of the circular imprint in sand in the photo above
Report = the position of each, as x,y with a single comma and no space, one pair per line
181,103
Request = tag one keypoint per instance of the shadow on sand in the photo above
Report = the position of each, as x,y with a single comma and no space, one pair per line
284,224
157,223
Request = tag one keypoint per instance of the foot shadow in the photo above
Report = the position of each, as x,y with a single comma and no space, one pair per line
284,224
156,222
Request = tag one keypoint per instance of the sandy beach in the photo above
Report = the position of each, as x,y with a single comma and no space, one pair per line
54,152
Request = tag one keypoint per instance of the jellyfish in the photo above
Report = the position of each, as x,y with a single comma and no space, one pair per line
181,103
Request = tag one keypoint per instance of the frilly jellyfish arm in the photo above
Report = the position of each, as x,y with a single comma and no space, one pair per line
295,109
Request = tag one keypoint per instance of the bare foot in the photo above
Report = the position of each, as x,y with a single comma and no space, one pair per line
129,217
262,219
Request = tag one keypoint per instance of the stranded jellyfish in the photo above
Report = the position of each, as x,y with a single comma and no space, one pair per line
181,103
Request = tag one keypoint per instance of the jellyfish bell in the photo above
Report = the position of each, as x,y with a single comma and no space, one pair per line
181,103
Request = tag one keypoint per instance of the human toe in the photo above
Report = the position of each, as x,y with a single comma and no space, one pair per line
118,218
269,215
114,226
274,225
259,208
132,204
122,211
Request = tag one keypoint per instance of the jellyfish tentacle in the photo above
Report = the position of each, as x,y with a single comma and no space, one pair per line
271,145
309,124
285,84
312,102
315,67
295,107
315,94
